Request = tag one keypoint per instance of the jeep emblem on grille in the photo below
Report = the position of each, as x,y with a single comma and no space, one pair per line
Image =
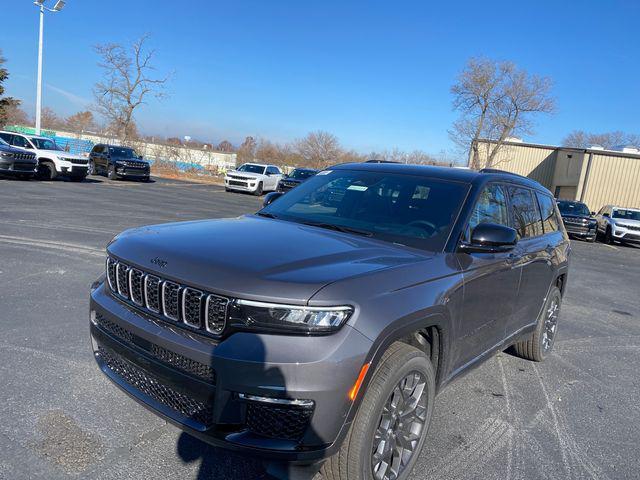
159,262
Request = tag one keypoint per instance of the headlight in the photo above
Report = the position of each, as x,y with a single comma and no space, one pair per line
275,316
6,155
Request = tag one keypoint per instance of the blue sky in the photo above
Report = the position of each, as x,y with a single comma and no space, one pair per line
376,74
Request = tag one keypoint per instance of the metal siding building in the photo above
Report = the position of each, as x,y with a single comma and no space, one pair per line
595,176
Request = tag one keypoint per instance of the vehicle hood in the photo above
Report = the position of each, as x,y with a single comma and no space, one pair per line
256,258
622,222
59,153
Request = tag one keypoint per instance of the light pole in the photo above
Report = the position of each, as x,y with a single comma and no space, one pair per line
56,8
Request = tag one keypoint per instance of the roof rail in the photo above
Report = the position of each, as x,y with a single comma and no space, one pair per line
496,170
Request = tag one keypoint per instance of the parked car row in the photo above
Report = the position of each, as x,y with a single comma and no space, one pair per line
258,178
612,223
27,156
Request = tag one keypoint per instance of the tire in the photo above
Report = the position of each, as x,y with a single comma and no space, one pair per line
47,171
608,237
111,173
91,168
258,191
592,239
541,341
355,459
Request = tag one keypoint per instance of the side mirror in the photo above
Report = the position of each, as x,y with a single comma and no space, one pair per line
593,213
140,157
270,197
491,238
605,215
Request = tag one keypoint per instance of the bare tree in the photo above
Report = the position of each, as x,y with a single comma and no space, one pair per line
496,100
247,151
582,139
50,119
80,122
319,149
225,146
127,84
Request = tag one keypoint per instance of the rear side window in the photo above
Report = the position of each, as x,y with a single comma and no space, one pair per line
19,141
491,207
549,219
526,214
273,170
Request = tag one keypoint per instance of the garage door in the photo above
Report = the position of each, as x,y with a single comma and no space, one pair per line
566,193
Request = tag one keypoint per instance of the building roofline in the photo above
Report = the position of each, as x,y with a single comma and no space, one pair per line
598,151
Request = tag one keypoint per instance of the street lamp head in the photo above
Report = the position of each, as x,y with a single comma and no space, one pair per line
58,6
39,2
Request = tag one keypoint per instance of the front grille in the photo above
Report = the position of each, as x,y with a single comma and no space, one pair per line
216,313
171,300
287,423
135,164
632,227
78,161
166,356
136,279
192,307
152,293
150,385
178,303
122,279
238,184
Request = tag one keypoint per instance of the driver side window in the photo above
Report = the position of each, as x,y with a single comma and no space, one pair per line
490,208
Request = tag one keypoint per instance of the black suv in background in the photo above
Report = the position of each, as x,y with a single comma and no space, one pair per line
317,332
118,162
17,162
295,178
578,220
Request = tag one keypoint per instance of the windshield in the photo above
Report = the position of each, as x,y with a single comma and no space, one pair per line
627,214
122,152
406,209
247,167
45,144
573,208
299,174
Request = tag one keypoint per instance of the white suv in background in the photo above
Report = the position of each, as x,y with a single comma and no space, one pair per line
619,223
253,177
52,160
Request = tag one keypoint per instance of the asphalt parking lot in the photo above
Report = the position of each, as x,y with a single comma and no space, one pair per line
575,416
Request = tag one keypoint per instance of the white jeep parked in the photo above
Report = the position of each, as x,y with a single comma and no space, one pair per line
253,177
52,160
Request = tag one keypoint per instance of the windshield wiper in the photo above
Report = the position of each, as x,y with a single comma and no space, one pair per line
339,228
266,215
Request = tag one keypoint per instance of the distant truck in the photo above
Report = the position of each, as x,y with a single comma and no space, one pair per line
53,161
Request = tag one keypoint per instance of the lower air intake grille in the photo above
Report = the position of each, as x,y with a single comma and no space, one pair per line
151,386
287,423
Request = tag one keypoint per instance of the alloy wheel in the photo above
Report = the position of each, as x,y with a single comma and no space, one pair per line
400,428
550,325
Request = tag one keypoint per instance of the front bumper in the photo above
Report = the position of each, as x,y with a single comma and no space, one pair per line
18,167
626,235
199,384
241,185
128,172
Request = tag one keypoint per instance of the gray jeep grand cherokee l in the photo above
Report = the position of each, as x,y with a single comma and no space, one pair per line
316,333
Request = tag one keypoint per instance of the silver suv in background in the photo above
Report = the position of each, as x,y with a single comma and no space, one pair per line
619,224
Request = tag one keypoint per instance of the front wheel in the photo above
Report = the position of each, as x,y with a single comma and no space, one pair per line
91,168
608,236
541,341
388,432
111,173
259,190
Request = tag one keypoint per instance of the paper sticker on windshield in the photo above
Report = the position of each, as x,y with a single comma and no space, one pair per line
324,172
359,188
